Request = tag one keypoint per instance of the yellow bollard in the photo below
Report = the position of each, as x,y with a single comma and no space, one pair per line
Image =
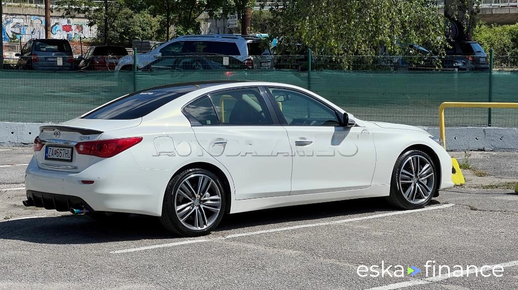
456,174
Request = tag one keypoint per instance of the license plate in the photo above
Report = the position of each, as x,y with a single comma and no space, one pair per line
265,64
483,60
58,153
60,61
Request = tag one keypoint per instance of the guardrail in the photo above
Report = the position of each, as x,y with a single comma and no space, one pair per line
442,129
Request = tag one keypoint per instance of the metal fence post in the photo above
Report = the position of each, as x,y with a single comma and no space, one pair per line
490,97
134,69
309,69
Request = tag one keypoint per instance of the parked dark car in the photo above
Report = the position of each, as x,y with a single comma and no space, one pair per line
102,57
465,55
46,54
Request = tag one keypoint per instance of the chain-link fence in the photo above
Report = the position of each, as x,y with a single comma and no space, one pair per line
396,89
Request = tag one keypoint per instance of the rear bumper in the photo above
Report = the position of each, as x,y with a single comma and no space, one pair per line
55,201
117,187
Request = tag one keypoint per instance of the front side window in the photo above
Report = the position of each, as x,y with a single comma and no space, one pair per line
241,107
302,110
172,49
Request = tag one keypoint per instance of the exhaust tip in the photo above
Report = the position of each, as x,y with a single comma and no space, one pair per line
81,211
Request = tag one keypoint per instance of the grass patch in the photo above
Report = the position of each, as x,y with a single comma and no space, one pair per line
464,164
505,185
478,173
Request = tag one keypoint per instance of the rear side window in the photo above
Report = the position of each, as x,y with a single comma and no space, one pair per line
228,48
202,112
466,48
258,48
50,45
137,105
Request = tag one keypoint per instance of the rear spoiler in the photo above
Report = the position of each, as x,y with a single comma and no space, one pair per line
81,131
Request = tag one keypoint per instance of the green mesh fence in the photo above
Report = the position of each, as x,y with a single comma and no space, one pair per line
409,97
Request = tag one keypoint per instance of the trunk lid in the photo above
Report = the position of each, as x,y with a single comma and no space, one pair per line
58,152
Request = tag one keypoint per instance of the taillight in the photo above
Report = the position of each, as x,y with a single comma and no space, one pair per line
249,63
34,58
37,144
470,58
70,60
106,148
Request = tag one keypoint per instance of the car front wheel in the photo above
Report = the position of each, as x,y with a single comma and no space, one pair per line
414,180
194,203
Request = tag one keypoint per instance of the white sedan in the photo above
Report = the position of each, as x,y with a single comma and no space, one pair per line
191,153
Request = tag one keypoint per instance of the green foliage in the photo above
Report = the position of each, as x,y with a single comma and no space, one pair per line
502,39
259,21
357,27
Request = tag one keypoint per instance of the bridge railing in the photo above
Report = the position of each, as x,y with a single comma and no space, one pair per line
498,3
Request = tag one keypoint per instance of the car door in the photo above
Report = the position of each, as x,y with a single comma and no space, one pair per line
327,156
242,136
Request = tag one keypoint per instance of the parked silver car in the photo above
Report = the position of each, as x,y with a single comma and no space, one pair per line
253,51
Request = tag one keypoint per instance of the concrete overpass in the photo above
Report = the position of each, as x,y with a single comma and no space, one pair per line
499,11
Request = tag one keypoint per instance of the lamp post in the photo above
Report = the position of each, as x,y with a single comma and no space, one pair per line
47,19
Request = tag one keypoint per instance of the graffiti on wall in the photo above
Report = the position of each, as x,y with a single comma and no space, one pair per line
24,27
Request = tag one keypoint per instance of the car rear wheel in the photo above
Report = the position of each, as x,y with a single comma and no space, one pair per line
194,203
414,180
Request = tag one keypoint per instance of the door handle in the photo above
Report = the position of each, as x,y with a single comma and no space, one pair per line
303,142
219,141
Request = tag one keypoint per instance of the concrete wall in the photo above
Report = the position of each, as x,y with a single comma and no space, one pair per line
23,22
457,139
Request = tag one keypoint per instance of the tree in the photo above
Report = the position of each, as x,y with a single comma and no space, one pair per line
357,27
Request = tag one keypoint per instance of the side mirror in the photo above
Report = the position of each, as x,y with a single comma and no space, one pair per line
346,122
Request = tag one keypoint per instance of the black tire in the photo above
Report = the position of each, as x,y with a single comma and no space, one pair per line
414,180
194,203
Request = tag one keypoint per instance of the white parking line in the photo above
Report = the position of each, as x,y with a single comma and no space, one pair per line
161,246
12,165
25,218
443,277
12,189
286,228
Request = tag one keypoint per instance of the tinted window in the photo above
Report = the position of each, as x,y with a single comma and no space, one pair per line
228,48
50,45
139,104
477,48
173,48
202,111
258,48
302,110
241,107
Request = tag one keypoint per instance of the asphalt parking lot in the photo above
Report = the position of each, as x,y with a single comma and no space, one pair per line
326,246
